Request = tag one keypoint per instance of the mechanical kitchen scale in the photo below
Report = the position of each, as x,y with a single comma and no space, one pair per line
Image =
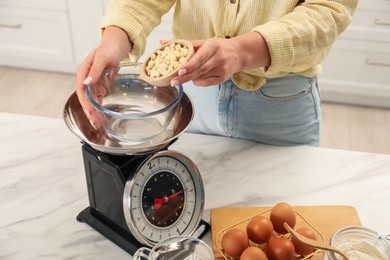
138,194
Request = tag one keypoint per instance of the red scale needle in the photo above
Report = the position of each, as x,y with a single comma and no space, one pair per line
159,202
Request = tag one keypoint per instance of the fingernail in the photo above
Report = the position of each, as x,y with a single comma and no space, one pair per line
174,82
93,125
86,112
87,80
182,72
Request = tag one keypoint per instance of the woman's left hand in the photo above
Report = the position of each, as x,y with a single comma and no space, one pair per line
217,59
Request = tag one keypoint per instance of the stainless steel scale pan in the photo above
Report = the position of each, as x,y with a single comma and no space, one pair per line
78,123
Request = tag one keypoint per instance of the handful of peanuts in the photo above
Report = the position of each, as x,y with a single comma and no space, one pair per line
166,60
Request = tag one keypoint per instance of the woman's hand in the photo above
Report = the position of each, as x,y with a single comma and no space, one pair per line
114,46
217,59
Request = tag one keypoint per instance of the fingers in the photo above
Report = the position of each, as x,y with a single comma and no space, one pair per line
163,41
200,64
197,44
214,61
204,52
82,74
202,71
208,66
211,78
113,47
88,73
191,69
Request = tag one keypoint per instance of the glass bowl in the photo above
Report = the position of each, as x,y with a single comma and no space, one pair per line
359,243
132,110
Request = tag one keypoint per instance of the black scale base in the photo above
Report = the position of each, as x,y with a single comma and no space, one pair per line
106,177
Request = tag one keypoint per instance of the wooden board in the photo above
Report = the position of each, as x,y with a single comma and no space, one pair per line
325,219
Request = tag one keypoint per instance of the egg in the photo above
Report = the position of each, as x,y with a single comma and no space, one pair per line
301,248
253,253
280,213
234,242
259,229
280,248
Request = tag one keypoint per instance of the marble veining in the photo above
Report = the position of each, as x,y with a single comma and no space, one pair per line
43,188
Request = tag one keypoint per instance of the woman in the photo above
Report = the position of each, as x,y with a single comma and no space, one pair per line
253,75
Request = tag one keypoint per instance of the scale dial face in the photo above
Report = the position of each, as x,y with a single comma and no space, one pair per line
164,198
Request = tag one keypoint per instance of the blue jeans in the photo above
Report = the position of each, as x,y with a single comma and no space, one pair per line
284,111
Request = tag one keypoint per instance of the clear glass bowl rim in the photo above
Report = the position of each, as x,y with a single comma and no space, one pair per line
357,230
134,115
354,230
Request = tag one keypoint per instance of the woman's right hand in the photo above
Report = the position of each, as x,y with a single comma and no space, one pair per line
113,48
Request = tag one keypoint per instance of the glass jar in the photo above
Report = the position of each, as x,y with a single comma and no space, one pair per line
359,243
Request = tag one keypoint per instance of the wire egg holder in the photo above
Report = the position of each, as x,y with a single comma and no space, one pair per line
242,225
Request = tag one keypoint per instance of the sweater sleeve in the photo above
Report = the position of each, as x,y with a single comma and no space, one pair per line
137,18
302,38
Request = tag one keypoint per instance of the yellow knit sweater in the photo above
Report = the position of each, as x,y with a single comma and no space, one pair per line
298,35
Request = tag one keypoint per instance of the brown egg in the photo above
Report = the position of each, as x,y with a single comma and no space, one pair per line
259,229
280,248
234,242
253,253
301,248
280,213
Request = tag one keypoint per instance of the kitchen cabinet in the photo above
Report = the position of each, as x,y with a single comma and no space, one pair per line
48,34
56,35
34,34
357,68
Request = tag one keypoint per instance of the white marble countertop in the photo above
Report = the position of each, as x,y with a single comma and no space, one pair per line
43,188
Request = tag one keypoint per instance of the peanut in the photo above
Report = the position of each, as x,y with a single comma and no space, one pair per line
164,61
